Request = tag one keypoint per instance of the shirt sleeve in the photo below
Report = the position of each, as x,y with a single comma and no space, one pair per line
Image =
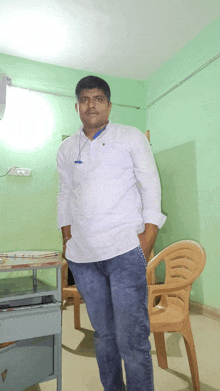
64,192
148,180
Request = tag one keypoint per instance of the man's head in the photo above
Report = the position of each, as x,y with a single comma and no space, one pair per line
93,101
90,82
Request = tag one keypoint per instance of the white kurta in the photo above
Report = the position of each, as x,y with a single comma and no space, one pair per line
109,197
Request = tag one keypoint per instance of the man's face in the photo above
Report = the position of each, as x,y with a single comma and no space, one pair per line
93,108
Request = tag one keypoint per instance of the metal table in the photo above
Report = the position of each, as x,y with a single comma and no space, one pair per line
30,319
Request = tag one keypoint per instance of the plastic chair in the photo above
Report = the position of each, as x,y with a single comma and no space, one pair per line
184,262
71,291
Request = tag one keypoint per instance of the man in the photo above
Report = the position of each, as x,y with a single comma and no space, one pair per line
109,212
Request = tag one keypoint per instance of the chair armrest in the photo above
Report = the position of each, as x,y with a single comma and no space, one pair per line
151,278
153,263
163,290
167,288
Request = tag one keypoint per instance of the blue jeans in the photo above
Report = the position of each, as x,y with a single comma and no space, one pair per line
115,293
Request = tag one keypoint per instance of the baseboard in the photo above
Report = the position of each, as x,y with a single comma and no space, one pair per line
202,309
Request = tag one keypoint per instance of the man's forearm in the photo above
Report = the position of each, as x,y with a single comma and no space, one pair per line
148,239
66,231
151,232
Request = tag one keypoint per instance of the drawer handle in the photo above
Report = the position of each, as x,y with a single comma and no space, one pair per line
3,375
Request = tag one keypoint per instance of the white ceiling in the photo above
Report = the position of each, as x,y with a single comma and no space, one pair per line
130,39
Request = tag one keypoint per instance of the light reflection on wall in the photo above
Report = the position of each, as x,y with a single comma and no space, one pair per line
28,121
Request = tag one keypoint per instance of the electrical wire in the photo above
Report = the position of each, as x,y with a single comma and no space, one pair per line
8,171
10,84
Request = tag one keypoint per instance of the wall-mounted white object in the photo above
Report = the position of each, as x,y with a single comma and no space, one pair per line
19,171
4,80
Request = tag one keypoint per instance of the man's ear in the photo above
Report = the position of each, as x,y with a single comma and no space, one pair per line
77,108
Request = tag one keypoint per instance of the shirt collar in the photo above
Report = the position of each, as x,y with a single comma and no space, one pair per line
97,134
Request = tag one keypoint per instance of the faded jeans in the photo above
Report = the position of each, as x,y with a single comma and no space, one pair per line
115,293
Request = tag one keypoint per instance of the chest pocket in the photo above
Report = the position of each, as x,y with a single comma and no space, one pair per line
114,153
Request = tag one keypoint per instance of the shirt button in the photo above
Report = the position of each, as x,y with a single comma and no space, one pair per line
103,144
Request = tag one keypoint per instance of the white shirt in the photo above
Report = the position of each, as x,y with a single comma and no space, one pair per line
109,197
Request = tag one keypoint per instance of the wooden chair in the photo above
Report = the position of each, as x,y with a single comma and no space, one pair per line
71,291
184,262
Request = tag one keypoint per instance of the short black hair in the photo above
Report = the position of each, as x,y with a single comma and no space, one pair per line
90,82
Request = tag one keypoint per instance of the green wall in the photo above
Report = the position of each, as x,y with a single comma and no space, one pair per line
185,135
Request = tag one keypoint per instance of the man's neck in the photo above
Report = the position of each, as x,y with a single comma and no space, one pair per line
91,132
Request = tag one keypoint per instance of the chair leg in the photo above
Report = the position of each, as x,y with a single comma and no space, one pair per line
191,353
63,298
161,350
76,303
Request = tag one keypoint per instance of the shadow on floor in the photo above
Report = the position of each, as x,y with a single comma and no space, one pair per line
203,386
172,346
34,388
85,348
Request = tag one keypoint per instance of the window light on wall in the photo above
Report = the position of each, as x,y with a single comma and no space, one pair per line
28,120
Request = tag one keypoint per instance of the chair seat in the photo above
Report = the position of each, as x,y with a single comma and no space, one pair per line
161,316
71,291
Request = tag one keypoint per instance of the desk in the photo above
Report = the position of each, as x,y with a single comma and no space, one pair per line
30,318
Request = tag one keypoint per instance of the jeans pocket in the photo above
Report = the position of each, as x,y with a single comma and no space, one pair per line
142,255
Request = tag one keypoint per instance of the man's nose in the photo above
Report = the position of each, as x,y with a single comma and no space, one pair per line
91,103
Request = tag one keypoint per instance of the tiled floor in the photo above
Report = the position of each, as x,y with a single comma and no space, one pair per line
80,370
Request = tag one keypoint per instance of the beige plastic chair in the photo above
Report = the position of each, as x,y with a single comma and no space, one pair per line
71,291
184,262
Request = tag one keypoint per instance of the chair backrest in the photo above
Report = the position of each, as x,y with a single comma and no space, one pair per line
184,262
147,134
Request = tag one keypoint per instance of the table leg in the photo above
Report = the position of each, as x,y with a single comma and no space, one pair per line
58,359
35,280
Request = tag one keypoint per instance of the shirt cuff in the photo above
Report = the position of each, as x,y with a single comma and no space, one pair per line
153,217
62,223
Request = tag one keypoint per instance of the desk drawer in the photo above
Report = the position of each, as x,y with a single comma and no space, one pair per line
30,322
26,363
